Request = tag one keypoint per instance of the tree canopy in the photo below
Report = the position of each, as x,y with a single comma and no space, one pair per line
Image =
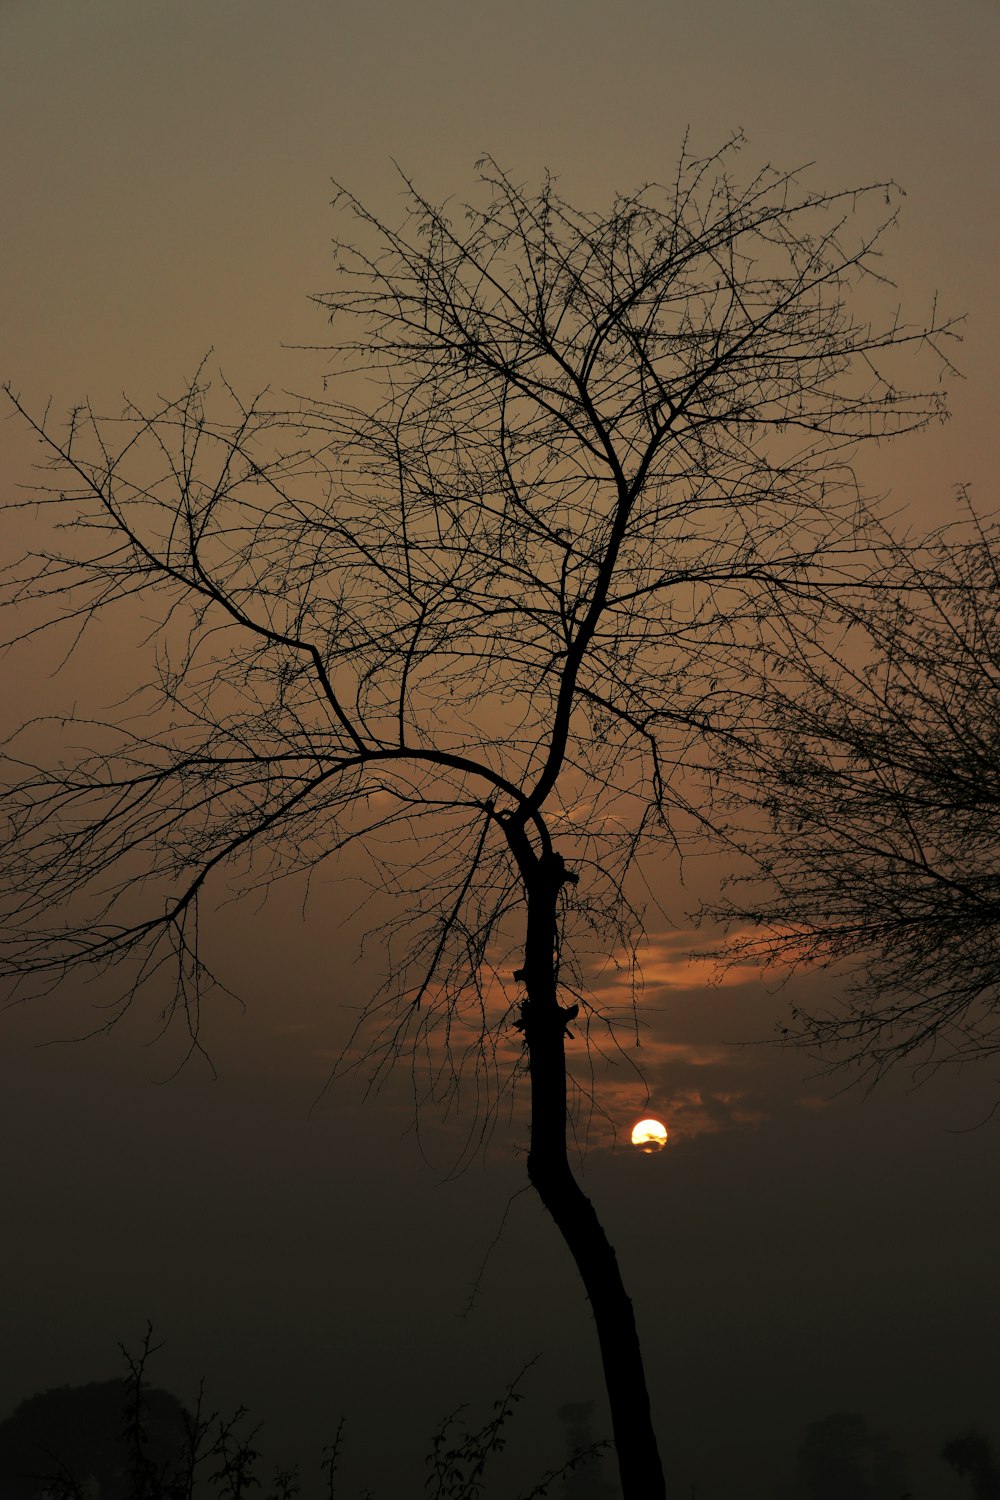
880,776
603,458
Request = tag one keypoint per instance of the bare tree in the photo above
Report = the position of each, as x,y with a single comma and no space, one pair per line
476,611
881,781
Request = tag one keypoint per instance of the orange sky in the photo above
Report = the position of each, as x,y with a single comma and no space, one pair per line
165,182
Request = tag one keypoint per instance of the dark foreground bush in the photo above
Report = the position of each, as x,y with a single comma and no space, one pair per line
128,1440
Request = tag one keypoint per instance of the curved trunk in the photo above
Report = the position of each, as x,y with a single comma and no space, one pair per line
544,1024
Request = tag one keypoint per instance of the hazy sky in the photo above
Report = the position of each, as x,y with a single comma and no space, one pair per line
166,179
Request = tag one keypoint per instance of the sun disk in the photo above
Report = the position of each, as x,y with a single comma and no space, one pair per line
649,1136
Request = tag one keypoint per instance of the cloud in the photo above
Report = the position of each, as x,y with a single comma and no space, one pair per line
678,960
691,1043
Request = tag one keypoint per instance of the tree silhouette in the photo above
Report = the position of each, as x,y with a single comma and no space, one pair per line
842,1459
971,1456
881,776
74,1441
586,1482
477,610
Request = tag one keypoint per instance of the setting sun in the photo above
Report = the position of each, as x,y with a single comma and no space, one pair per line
649,1136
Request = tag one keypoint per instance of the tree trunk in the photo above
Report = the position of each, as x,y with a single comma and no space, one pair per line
544,1023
